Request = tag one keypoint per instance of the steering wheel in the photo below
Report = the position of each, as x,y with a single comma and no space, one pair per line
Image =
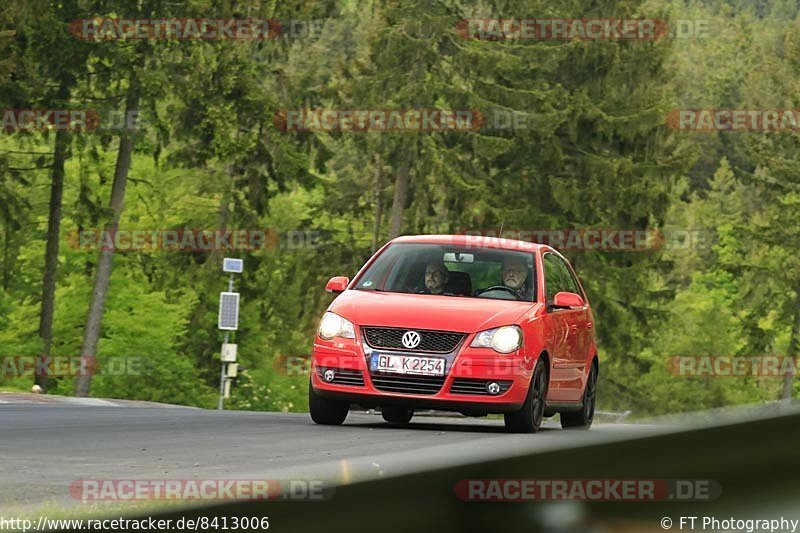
509,290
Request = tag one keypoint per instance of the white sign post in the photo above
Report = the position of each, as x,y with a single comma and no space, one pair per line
228,320
228,353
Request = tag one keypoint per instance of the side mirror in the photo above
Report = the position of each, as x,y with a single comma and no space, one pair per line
567,300
337,284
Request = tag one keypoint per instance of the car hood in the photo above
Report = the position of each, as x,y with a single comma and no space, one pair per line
425,311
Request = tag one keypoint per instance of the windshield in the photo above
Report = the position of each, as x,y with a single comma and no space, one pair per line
447,270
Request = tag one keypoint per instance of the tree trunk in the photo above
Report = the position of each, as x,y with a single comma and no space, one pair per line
794,340
400,196
6,256
378,200
93,321
224,214
51,249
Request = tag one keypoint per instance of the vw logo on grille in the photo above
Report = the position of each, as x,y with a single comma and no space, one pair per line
410,339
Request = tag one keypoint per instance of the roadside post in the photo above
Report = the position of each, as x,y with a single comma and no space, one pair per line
228,320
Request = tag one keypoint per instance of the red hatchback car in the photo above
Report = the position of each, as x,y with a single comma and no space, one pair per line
454,322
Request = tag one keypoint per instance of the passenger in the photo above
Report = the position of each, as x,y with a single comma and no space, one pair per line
436,278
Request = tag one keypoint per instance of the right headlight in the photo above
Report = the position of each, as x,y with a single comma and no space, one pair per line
332,325
505,339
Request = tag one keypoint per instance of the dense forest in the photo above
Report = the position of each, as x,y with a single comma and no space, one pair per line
193,135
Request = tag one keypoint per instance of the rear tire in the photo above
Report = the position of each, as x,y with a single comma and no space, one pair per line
529,418
583,419
397,415
326,411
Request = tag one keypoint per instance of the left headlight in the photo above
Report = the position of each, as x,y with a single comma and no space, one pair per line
505,339
332,325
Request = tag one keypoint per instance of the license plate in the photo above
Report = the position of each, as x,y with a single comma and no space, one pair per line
408,364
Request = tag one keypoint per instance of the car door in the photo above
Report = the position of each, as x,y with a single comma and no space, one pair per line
584,337
566,324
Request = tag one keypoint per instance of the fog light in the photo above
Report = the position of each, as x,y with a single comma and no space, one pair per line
329,375
493,388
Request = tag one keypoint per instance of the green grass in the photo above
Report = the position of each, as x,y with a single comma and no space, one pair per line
14,388
55,510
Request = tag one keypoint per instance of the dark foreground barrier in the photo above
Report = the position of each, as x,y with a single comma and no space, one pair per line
752,465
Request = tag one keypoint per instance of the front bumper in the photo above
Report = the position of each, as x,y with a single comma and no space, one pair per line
463,388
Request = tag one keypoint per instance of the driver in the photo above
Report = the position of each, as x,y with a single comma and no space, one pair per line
436,278
515,275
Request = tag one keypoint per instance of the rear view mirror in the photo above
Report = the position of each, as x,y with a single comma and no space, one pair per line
458,257
567,300
337,284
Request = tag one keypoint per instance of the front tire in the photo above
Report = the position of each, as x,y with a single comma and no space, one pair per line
583,419
397,415
529,418
326,411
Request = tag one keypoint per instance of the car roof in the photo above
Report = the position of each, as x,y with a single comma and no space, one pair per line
472,240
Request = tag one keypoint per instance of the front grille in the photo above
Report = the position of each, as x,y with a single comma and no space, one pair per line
430,341
408,384
476,386
342,376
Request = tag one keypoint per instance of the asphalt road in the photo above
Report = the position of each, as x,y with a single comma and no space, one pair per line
46,446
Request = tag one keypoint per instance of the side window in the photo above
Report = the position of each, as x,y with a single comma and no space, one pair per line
553,275
572,283
558,277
